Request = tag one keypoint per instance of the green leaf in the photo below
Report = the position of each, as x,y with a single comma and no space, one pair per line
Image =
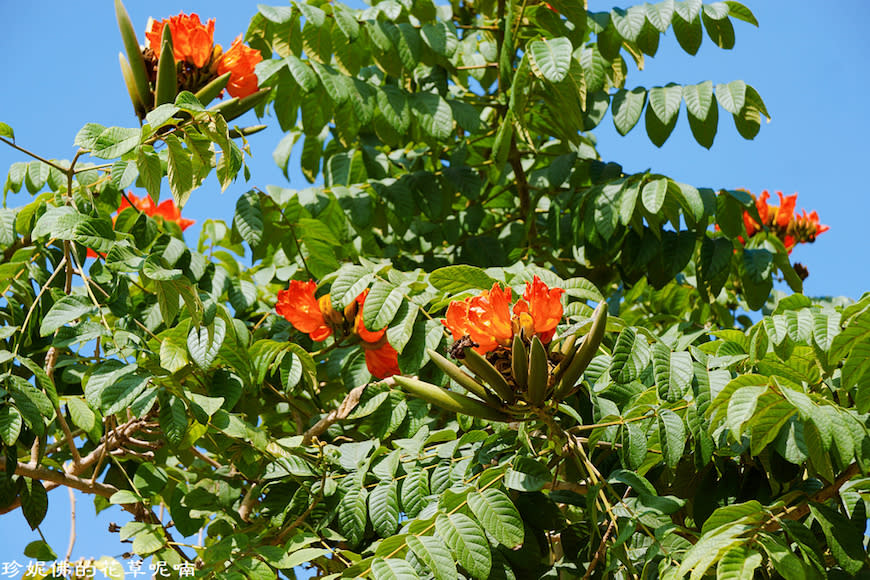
34,501
352,514
204,343
65,311
392,569
665,101
673,372
173,419
41,551
672,435
732,96
179,170
150,171
346,21
467,540
551,58
382,303
689,32
37,175
720,31
627,107
114,142
415,488
119,395
653,195
456,279
660,14
10,425
432,551
628,23
348,285
6,131
741,12
249,218
657,131
82,415
495,510
384,506
738,563
741,407
433,114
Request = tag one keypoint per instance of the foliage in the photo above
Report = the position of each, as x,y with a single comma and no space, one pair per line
456,150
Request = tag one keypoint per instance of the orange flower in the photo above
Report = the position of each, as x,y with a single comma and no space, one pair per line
167,210
382,362
192,41
544,305
785,210
486,319
240,61
299,306
318,319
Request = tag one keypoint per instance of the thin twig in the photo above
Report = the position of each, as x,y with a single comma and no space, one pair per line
343,410
600,551
72,523
34,155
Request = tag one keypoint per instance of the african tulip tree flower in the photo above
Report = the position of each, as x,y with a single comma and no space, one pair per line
790,227
240,60
486,318
192,41
319,320
301,309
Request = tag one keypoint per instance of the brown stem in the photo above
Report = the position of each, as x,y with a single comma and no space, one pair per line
34,155
343,410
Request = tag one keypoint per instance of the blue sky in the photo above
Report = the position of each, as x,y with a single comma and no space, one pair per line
60,65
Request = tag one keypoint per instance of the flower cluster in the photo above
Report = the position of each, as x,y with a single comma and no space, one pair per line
203,60
790,227
489,321
319,320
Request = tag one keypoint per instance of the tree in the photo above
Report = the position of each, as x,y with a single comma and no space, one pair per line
476,348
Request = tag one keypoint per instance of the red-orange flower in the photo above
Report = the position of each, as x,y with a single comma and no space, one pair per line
544,305
299,306
786,209
382,362
782,221
192,41
240,60
486,319
318,319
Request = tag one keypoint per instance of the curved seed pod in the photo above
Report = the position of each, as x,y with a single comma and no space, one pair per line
462,378
236,107
584,354
490,375
567,357
135,97
519,362
207,94
567,346
538,373
167,79
245,131
134,54
449,401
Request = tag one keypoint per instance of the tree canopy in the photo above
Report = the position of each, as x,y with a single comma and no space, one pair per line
469,347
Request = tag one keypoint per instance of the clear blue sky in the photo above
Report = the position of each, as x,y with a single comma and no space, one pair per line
807,60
